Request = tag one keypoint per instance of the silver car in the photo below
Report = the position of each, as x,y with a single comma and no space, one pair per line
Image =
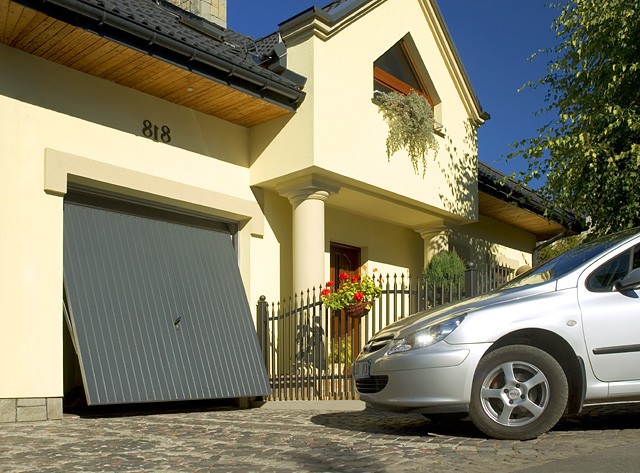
559,337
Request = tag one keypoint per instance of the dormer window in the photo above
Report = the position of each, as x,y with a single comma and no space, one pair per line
396,71
408,102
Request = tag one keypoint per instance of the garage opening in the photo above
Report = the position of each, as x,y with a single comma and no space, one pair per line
155,305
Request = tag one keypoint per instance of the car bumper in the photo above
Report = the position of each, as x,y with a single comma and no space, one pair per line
433,379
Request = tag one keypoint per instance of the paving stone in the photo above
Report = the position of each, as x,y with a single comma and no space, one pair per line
272,440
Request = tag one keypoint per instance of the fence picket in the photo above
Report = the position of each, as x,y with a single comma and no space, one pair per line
308,349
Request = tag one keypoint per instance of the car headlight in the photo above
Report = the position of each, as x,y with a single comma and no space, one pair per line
426,336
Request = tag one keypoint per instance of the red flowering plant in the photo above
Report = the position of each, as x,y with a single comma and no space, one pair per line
352,290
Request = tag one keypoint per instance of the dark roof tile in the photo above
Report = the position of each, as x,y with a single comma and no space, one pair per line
134,21
503,187
335,4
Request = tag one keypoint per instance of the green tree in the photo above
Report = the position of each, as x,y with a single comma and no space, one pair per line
589,153
558,247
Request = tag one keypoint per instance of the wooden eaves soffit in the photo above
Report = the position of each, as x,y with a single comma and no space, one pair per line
161,50
502,198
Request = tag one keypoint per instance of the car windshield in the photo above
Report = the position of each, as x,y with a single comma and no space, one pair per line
568,261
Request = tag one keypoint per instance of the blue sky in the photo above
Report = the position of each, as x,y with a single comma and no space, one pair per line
494,38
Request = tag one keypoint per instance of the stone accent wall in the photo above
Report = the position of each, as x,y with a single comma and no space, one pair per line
214,11
219,11
30,409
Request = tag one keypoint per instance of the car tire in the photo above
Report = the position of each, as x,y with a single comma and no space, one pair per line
518,393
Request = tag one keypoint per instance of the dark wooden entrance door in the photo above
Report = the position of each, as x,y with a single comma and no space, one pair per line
345,331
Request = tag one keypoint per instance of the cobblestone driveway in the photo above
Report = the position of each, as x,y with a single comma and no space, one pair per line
308,439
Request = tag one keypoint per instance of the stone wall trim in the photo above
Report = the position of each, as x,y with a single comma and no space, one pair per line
30,409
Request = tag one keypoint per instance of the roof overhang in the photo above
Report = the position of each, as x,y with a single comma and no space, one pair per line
99,39
502,198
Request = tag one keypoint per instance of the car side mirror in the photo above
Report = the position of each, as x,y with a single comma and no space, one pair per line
630,281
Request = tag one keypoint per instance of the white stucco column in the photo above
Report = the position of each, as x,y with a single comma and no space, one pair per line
308,198
435,239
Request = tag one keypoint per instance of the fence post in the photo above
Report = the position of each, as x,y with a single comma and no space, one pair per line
470,284
262,326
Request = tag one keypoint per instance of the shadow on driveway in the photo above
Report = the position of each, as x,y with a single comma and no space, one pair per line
398,425
616,417
612,417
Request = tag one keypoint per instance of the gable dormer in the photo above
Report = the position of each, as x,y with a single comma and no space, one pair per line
401,69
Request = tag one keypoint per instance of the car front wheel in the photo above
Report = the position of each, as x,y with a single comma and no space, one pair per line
518,393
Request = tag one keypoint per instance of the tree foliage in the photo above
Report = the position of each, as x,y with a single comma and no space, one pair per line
558,247
589,153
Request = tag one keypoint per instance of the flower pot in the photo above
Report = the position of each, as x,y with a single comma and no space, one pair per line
356,311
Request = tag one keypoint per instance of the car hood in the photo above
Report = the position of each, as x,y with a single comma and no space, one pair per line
426,318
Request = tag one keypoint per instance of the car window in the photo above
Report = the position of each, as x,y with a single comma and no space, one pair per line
568,261
603,278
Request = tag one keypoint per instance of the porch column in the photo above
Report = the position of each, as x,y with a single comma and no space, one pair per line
435,239
307,199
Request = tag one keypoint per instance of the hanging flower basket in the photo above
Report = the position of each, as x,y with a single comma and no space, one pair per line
355,295
355,311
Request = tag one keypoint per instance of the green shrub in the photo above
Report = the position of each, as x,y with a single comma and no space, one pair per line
444,268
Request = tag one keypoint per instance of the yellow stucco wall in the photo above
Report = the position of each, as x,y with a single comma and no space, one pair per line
389,249
271,255
59,125
338,130
496,241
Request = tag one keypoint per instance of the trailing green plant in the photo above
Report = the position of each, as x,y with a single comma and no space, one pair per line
411,126
444,269
352,290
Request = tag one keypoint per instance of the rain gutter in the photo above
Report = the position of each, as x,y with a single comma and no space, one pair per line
503,187
133,35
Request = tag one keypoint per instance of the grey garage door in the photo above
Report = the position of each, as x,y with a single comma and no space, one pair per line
157,308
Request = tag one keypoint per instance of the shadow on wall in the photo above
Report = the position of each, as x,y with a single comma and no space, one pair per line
277,211
461,172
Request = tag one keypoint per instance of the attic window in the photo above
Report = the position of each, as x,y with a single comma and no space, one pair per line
395,71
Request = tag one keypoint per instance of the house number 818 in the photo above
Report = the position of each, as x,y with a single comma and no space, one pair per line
155,132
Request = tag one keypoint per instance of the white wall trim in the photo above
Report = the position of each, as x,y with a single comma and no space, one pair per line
60,168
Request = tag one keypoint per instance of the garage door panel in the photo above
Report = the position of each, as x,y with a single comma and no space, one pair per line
158,309
90,333
135,263
114,324
194,322
209,282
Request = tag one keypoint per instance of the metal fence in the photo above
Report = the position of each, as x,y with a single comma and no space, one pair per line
308,349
